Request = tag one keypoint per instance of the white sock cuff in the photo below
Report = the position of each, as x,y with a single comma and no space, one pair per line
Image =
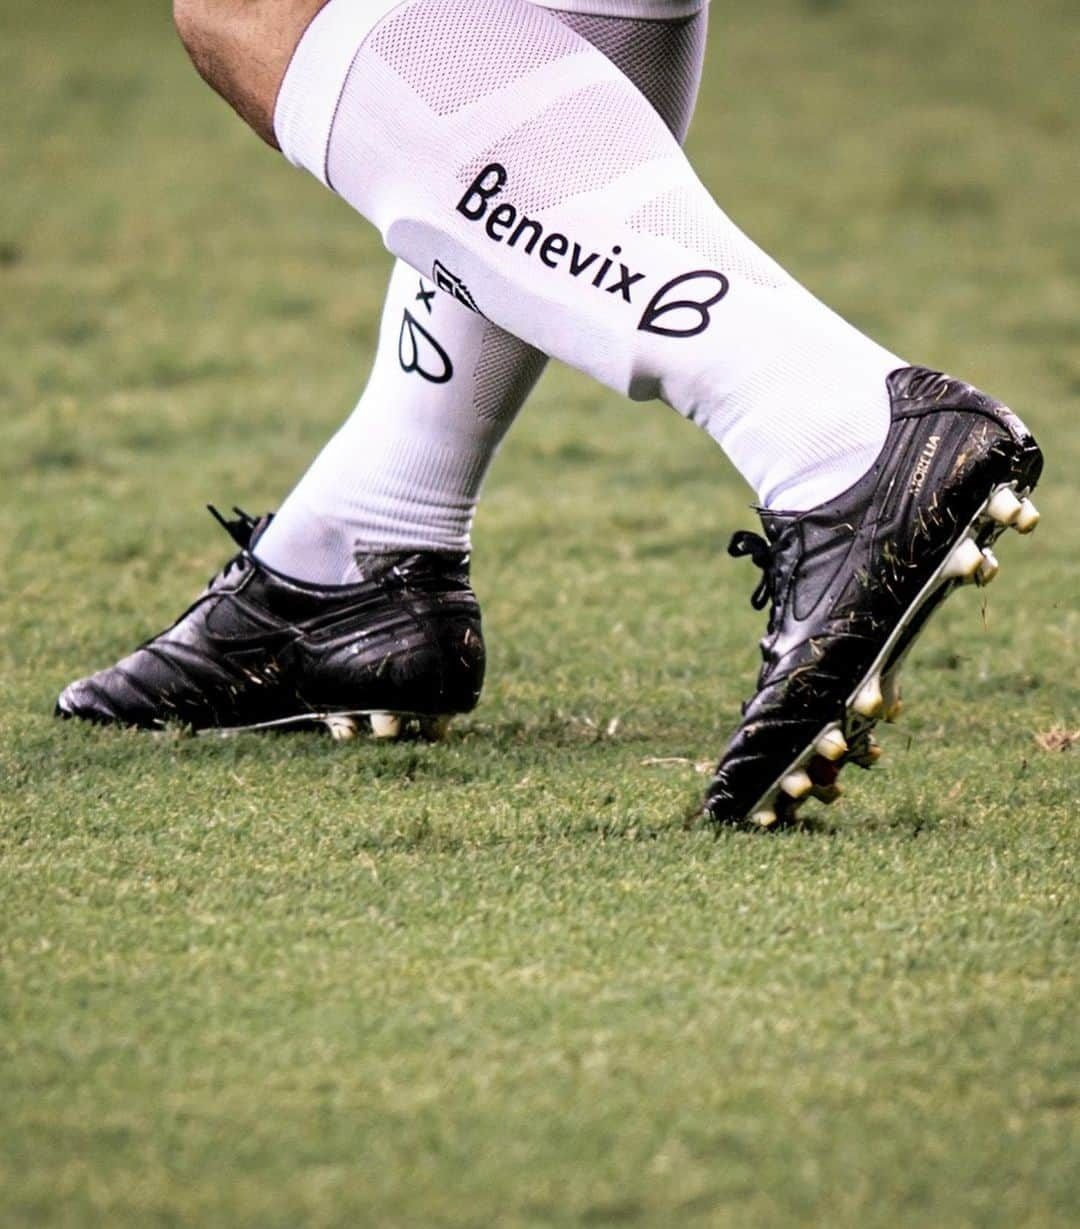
641,10
313,83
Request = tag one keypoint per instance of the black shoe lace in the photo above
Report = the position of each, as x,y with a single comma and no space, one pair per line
745,543
240,530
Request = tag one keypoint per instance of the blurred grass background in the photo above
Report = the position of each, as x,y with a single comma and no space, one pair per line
270,981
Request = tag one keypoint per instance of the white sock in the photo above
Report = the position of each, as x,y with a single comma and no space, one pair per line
404,471
511,162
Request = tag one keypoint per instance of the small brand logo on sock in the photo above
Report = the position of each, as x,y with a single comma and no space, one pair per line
419,352
922,465
454,286
684,316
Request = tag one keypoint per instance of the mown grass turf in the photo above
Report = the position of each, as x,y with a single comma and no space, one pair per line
276,981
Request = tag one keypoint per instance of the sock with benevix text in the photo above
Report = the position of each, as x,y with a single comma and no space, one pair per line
404,471
503,156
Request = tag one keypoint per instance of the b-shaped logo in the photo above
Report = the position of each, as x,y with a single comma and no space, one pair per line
419,352
680,308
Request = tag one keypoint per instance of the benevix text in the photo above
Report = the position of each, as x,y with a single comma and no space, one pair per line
684,314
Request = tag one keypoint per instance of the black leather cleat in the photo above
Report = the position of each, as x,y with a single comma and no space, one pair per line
400,649
851,583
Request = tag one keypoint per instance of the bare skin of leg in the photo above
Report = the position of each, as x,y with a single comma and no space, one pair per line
242,49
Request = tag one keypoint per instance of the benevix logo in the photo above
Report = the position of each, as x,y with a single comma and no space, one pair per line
922,465
680,308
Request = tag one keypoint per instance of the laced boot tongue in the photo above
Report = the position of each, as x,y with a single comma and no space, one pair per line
774,523
744,543
768,554
245,531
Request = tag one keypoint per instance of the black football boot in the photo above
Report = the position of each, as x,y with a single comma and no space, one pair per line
400,650
852,582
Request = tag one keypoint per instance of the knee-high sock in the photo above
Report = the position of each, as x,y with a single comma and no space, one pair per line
512,163
405,470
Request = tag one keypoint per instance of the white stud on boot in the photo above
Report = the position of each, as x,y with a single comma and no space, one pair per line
763,819
831,745
1004,506
869,701
1027,518
989,567
797,784
386,725
341,728
964,562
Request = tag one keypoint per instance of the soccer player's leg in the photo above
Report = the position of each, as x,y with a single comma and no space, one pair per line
405,470
392,495
541,187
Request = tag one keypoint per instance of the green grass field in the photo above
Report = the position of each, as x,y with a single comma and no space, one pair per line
499,981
